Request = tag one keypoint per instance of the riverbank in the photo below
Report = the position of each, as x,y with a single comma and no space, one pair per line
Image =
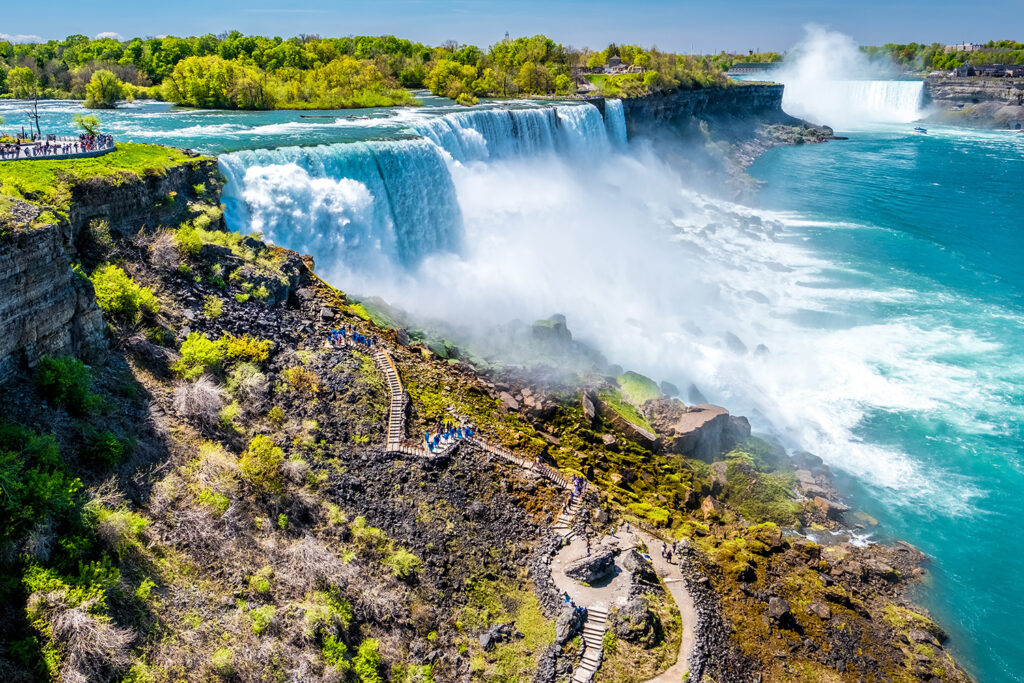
976,102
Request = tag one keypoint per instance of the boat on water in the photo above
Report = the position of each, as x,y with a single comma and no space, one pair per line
920,131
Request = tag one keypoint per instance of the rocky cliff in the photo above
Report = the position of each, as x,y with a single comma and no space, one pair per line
48,309
760,101
982,102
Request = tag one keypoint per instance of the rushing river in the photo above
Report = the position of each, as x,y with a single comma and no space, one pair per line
866,307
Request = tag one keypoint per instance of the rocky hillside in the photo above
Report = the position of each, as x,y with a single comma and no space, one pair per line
208,495
981,102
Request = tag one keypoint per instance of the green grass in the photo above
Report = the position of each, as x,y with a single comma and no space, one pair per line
48,182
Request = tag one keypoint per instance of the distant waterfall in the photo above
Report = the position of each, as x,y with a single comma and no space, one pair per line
849,104
387,204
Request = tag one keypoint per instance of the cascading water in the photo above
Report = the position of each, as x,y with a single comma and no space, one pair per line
851,103
364,206
615,120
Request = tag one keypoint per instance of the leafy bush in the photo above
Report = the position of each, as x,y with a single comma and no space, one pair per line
119,296
247,348
368,537
276,416
403,564
213,307
260,464
199,355
262,618
366,663
303,381
261,581
119,528
66,381
334,651
35,486
101,448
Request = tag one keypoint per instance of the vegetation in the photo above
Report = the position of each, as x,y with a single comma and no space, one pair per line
933,56
119,296
235,71
66,381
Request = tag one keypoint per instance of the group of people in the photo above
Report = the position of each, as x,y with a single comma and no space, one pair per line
577,487
446,433
667,551
339,335
51,146
576,608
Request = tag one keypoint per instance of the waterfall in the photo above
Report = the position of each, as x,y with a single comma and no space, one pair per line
852,103
365,206
615,121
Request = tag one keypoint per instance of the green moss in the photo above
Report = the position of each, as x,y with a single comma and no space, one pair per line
636,388
617,402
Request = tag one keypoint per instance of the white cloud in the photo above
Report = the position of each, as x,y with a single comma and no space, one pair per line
109,34
21,38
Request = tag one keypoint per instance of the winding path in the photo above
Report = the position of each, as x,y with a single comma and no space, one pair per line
597,600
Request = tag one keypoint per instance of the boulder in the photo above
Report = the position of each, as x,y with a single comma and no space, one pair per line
820,609
589,411
710,507
593,568
636,624
568,624
508,401
719,474
778,608
702,431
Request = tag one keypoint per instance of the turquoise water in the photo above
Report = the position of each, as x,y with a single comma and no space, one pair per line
937,219
878,279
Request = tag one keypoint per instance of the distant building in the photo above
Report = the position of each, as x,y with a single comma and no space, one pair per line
964,47
964,70
990,71
614,62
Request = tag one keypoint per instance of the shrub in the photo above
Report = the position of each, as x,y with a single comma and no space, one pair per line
403,564
199,354
86,645
119,296
276,416
162,253
260,464
102,448
334,652
247,348
200,402
241,297
120,529
366,663
66,381
228,414
326,613
223,662
33,480
261,581
302,380
246,383
367,537
213,307
262,618
282,522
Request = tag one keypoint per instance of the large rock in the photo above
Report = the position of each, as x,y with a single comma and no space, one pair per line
703,431
636,624
568,624
593,568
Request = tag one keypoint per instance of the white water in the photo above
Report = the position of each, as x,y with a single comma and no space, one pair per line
829,81
496,215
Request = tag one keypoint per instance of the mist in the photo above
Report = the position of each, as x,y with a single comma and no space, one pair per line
830,81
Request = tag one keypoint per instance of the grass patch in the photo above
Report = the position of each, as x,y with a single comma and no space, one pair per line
617,402
48,182
636,388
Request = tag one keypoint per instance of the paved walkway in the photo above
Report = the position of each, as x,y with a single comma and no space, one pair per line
600,598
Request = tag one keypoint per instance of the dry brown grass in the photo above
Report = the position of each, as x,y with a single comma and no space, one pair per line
163,253
307,564
199,402
90,649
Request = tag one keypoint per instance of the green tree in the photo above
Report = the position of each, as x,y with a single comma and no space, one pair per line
21,81
88,123
104,90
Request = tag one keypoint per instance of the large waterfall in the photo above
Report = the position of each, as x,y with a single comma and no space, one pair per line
390,204
847,104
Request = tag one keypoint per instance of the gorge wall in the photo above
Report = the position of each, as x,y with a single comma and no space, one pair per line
982,102
49,309
756,101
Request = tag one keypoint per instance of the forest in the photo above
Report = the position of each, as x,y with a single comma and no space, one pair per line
934,57
236,71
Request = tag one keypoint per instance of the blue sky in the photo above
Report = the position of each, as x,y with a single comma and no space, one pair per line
673,25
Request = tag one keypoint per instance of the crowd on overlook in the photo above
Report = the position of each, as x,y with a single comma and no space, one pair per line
52,146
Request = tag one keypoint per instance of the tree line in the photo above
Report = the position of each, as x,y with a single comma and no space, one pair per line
934,57
236,71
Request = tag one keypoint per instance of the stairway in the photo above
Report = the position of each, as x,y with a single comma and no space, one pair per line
593,642
396,413
563,525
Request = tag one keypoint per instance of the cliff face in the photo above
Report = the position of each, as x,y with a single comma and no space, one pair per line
983,102
48,309
763,102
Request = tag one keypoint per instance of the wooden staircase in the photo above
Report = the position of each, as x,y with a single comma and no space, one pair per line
593,641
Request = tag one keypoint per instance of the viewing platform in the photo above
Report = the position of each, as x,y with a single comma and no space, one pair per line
58,147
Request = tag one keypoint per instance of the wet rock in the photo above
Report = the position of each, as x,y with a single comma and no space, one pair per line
710,507
719,476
